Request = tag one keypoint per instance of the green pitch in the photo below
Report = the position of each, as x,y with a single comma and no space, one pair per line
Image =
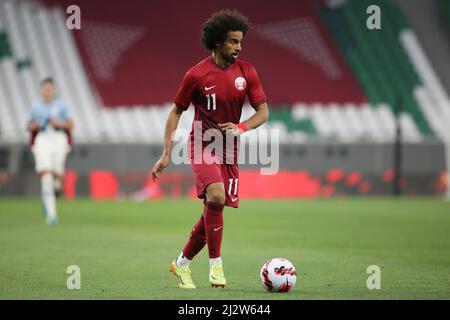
124,249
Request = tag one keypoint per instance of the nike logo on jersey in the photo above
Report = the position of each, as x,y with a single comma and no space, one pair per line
233,199
209,88
217,229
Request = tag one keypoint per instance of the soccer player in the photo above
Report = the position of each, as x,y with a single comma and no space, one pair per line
50,125
217,87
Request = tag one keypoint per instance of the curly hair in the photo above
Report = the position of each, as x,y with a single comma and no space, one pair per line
215,29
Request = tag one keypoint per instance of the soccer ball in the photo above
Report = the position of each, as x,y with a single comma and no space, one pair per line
278,275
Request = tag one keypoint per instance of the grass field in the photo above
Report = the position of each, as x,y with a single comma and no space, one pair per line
124,249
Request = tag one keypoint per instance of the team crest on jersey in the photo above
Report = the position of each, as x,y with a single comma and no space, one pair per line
240,83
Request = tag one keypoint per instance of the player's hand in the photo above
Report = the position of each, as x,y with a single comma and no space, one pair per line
159,166
230,128
33,126
55,123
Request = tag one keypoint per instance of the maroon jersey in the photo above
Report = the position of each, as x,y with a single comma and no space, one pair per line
218,94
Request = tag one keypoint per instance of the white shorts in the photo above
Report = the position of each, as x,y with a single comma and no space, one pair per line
50,150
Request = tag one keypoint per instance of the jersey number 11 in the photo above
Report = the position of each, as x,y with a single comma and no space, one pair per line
211,100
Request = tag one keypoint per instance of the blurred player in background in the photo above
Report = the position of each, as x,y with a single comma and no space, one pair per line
217,87
50,125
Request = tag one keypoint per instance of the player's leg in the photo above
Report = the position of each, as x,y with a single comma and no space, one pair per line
58,185
59,156
205,174
61,152
43,166
48,196
196,242
215,195
227,194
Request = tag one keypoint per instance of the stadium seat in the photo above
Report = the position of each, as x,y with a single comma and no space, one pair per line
355,122
368,118
386,120
431,113
446,11
365,51
111,131
34,43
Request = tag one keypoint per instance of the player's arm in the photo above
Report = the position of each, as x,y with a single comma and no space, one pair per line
171,126
260,117
65,124
33,126
65,121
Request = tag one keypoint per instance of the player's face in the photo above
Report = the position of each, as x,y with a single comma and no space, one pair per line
231,47
48,91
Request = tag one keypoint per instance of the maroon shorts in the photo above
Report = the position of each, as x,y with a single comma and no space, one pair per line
226,173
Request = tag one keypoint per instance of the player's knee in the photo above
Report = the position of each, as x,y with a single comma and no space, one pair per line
217,197
46,183
43,173
216,194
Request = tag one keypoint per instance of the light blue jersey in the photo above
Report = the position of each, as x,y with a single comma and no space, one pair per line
42,112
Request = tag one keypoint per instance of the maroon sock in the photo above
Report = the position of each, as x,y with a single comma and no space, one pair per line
197,240
214,228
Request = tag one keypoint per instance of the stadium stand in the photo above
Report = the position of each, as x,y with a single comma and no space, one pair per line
360,75
446,11
377,58
38,36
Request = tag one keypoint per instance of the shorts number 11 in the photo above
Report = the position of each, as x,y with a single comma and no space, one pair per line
230,186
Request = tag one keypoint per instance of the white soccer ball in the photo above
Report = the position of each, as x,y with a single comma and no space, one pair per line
278,275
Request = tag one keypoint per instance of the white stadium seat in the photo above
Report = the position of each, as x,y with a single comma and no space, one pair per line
37,34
